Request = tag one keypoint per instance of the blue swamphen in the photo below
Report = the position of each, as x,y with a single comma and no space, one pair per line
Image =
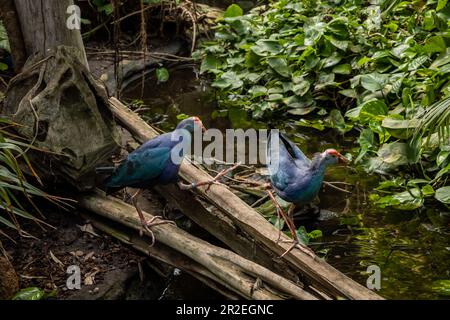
294,177
155,162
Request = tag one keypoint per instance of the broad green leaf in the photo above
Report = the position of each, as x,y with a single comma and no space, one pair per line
162,74
228,80
394,153
233,11
417,63
370,110
332,60
210,63
279,65
441,157
441,5
427,190
429,20
257,91
314,29
351,93
302,235
240,26
435,44
406,201
315,234
373,81
401,129
32,293
343,69
301,88
443,195
266,45
341,44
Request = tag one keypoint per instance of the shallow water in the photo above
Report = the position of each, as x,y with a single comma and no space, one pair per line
412,249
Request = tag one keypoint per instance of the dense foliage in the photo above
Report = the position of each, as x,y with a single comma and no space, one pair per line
381,68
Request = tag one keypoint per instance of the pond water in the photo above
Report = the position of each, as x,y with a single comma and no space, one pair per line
411,249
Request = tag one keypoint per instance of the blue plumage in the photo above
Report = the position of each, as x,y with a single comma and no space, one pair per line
152,163
294,177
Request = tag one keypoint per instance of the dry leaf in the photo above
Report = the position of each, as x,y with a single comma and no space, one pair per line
88,228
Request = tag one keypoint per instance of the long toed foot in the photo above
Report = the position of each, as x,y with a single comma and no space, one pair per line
148,224
290,223
208,183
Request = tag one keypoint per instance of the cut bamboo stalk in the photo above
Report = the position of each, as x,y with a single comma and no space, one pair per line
313,270
234,271
163,254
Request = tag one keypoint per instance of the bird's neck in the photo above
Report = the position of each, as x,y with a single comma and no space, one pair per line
318,165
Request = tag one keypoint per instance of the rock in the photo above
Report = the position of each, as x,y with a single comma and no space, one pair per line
9,281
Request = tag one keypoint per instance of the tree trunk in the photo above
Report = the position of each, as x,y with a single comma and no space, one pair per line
44,26
11,22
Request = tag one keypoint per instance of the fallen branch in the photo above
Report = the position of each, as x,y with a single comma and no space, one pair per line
245,219
230,269
161,253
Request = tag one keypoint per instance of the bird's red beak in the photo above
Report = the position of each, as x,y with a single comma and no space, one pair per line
342,159
199,123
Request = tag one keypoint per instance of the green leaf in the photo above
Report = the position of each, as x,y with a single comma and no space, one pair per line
316,124
369,110
315,234
3,66
435,44
257,91
373,81
441,5
398,128
341,44
443,195
406,201
265,45
228,80
441,157
302,235
343,69
280,66
332,60
314,29
210,63
162,75
32,293
429,20
301,88
233,11
427,190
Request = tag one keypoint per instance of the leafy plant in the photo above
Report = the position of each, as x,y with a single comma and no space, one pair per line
381,68
14,182
33,293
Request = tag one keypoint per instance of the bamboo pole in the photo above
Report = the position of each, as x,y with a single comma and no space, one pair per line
162,253
313,270
236,273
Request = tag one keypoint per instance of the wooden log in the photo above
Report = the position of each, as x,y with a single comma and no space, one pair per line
162,253
316,272
236,273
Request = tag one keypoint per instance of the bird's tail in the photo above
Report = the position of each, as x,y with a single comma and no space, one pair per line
105,170
108,171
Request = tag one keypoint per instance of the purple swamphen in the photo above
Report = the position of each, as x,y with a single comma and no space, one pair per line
294,177
153,164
